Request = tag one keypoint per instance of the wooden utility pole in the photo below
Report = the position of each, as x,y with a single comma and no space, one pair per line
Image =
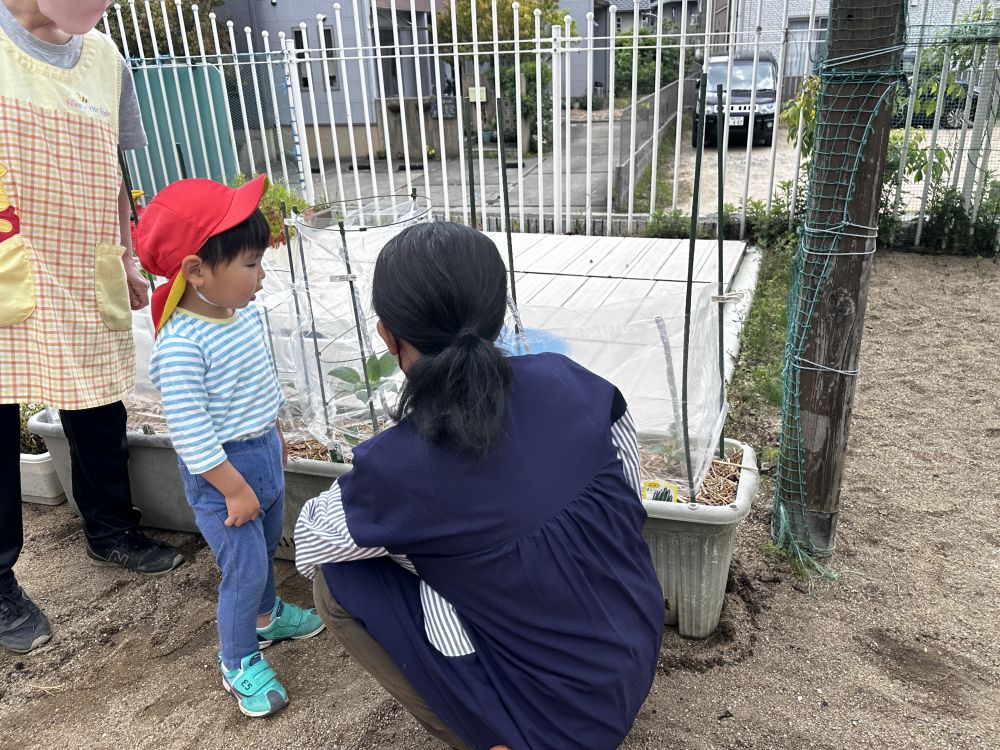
853,119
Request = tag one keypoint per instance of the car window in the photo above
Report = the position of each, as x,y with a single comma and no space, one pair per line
742,75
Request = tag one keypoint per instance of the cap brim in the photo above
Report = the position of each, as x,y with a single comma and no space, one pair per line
166,298
245,200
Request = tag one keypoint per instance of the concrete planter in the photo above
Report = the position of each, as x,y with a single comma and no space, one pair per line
39,481
157,489
692,546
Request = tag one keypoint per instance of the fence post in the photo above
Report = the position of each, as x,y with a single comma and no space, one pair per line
345,91
259,103
274,105
801,125
777,108
678,130
942,88
556,130
635,112
589,193
613,44
751,119
983,112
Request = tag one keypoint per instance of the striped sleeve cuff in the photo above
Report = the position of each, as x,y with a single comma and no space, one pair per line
322,536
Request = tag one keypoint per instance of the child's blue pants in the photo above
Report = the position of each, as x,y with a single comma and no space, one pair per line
245,553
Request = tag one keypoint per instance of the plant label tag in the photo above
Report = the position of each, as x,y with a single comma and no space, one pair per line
665,492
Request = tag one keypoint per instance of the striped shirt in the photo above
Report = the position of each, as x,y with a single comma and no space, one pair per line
217,381
322,536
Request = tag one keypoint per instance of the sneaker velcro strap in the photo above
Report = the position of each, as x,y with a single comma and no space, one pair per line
259,675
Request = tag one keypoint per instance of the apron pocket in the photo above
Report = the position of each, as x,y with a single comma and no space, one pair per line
17,284
112,287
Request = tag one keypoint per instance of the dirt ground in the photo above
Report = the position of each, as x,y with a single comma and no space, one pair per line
900,652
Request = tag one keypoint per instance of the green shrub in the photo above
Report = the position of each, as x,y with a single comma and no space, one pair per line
669,225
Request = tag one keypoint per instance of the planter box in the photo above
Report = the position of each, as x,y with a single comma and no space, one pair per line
157,489
39,480
692,546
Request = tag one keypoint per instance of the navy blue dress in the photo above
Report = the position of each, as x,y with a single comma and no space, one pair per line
538,548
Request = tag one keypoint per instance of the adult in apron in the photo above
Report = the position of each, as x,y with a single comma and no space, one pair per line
65,308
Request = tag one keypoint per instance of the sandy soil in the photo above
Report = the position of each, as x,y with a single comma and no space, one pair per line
901,652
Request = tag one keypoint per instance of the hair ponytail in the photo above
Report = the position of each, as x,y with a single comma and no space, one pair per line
443,288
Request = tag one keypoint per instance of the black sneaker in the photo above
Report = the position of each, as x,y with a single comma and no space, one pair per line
23,627
135,551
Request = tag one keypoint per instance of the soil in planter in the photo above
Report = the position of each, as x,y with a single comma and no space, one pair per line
719,485
148,418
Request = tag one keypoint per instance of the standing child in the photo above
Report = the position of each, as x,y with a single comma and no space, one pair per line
221,398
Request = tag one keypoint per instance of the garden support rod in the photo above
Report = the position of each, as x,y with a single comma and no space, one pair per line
358,322
506,200
689,289
312,331
295,293
721,234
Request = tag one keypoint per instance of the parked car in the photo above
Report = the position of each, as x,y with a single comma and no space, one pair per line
739,98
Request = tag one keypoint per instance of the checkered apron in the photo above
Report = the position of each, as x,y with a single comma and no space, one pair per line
65,324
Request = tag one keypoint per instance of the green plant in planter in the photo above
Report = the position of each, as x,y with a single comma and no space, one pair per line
380,371
276,195
31,444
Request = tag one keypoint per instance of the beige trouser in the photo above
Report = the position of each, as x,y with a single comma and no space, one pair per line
377,662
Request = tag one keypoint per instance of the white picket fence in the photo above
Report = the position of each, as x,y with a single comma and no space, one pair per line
338,112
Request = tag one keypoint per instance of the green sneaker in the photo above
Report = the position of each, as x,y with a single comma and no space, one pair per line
255,686
289,622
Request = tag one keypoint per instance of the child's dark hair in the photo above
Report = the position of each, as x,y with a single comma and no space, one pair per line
253,233
442,287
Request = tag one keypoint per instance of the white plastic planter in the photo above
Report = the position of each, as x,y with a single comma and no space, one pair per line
39,480
692,546
157,489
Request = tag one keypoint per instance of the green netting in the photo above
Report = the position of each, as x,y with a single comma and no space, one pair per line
855,92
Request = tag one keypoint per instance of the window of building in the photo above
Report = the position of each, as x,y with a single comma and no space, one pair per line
316,54
803,56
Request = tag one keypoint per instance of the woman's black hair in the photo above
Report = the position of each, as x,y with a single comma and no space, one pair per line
253,234
442,287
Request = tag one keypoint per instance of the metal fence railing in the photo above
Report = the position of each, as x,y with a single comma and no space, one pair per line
382,98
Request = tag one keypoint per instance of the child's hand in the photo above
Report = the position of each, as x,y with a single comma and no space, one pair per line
243,507
284,446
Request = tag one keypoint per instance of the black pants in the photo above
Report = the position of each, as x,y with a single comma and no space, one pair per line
100,478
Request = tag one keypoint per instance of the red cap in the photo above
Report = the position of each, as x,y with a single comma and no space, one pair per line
179,220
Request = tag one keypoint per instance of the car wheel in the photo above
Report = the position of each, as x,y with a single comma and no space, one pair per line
953,118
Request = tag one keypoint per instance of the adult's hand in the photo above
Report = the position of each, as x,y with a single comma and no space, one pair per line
138,286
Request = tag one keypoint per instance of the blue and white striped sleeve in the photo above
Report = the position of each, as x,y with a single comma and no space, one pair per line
178,369
623,437
322,536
